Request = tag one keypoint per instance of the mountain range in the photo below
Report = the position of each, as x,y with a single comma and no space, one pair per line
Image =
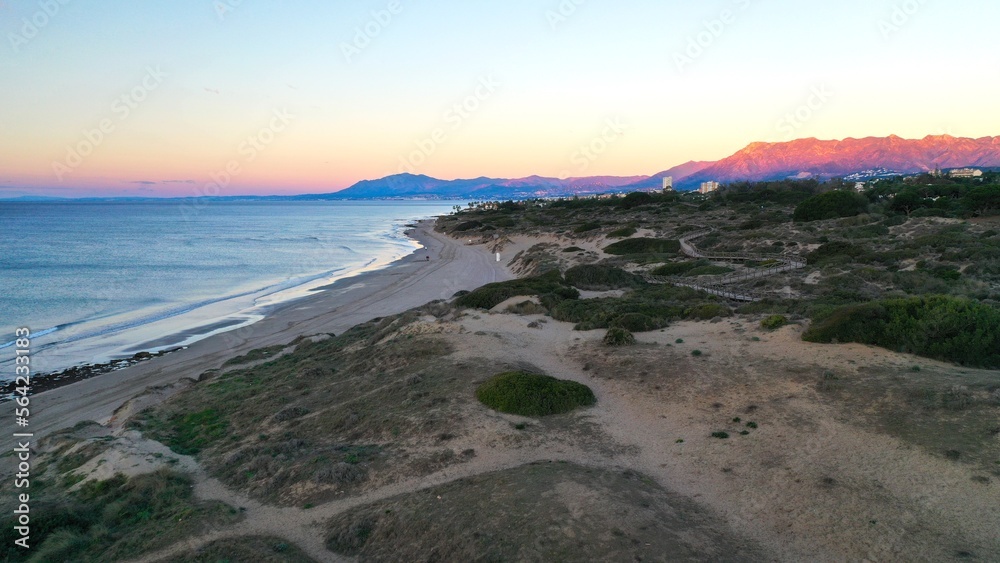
852,159
802,158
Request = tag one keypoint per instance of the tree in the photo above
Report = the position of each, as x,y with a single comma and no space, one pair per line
983,200
830,205
907,201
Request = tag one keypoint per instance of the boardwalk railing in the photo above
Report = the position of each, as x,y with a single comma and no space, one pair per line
713,285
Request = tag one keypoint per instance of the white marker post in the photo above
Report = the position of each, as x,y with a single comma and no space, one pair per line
498,256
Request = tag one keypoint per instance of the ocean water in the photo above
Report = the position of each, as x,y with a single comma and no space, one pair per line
97,281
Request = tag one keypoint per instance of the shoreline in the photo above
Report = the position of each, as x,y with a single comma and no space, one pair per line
185,338
94,394
40,383
90,343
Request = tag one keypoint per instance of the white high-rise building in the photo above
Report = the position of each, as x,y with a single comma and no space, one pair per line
668,184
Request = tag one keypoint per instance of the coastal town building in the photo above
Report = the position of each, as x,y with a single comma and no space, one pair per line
708,187
668,184
966,173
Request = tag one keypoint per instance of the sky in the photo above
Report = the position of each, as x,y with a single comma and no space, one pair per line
232,97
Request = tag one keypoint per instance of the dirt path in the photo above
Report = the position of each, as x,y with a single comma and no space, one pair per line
303,527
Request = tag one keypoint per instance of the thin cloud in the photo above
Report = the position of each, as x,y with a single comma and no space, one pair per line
152,183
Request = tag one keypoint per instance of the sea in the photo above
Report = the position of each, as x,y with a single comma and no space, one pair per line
101,281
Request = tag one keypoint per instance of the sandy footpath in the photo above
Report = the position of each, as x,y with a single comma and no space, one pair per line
407,283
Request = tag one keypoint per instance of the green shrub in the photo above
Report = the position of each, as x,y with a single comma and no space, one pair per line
643,246
661,303
491,295
467,226
573,249
587,227
635,199
720,435
599,278
833,250
774,322
678,268
940,327
947,273
530,394
708,311
112,520
188,434
617,336
623,232
830,205
696,353
636,322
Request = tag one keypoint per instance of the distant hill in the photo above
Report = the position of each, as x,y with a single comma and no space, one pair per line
416,186
812,158
679,173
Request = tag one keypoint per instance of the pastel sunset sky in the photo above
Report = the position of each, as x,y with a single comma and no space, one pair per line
165,97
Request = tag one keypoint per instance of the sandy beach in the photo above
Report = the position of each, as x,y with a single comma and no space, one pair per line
407,283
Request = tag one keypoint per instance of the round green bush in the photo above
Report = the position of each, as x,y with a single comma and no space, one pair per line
618,336
774,322
531,394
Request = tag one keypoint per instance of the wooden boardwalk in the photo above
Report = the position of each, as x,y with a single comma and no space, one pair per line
715,285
